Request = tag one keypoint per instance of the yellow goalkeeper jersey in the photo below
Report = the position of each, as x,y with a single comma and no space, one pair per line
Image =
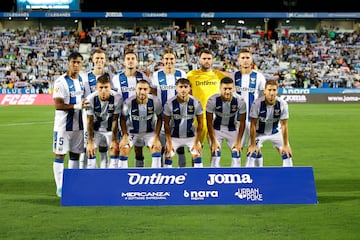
204,85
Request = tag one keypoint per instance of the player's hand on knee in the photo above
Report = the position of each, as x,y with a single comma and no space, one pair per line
90,151
251,150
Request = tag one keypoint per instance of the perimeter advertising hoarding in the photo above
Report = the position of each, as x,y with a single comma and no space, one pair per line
188,186
320,95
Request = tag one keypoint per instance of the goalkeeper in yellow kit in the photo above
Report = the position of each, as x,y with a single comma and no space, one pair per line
204,83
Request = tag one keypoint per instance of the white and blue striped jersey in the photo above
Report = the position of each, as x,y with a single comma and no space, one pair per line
141,118
89,80
103,111
183,116
249,86
269,116
90,83
126,85
166,83
225,113
72,91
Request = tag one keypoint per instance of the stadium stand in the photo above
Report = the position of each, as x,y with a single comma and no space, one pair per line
304,54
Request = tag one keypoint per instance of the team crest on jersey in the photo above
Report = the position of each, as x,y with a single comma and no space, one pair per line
190,108
277,113
252,80
150,109
233,107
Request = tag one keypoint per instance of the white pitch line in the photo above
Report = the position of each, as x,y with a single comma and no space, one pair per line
22,124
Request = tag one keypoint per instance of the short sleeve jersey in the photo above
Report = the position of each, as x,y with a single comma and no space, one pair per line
126,85
103,111
249,86
141,118
182,116
166,83
72,92
225,112
269,116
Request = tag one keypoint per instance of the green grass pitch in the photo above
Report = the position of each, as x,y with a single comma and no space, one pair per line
325,137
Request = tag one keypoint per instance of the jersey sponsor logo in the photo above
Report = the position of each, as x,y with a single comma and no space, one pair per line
167,87
245,89
156,179
269,120
228,179
127,89
141,118
225,115
178,116
206,83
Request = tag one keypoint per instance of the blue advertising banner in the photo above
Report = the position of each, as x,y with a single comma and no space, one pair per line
207,15
305,91
188,186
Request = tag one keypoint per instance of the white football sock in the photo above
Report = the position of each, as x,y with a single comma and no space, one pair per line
73,164
104,159
236,159
58,168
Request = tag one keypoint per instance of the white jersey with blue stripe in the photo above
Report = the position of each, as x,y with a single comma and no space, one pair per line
226,112
183,116
103,111
166,83
126,85
72,91
89,80
90,83
141,118
269,116
249,86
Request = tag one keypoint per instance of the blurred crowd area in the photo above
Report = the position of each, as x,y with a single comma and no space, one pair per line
35,58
